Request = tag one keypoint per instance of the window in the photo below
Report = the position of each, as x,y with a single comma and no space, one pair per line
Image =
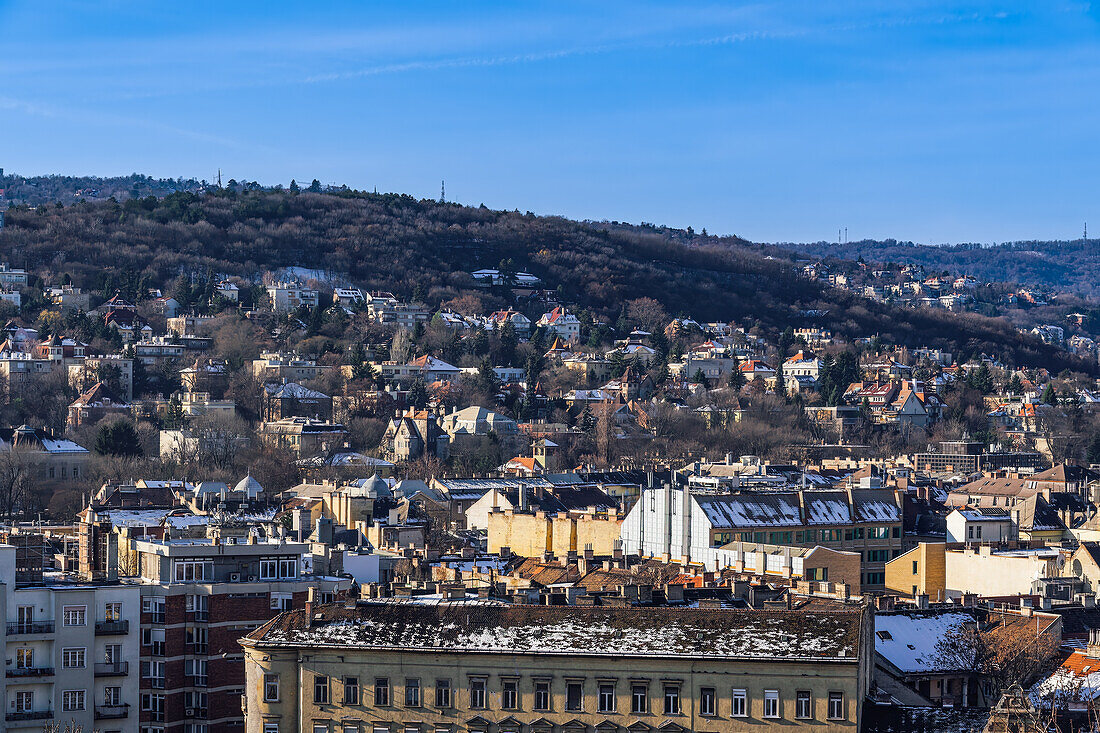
351,690
836,706
639,698
605,697
187,571
970,531
477,693
509,694
802,704
196,670
271,728
269,569
830,535
112,612
282,601
196,604
382,691
878,533
412,692
574,696
672,699
24,701
320,728
197,637
914,567
771,703
542,694
288,567
443,693
24,658
351,728
75,615
72,700
978,531
740,707
320,689
707,702
271,688
73,657
112,696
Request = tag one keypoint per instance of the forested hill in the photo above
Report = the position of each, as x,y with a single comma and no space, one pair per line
396,242
35,190
1053,265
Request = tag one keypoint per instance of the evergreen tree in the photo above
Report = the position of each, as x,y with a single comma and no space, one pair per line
119,438
418,393
1049,395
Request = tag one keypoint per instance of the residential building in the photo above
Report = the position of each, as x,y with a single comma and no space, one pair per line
920,571
977,525
678,523
95,404
305,436
412,433
68,298
289,296
293,400
71,647
561,322
49,459
349,668
198,596
115,370
279,366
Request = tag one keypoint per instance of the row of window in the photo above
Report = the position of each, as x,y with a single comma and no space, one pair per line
72,657
809,535
22,701
606,700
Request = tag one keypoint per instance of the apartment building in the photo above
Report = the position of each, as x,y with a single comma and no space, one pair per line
68,651
289,296
402,667
198,596
678,523
283,367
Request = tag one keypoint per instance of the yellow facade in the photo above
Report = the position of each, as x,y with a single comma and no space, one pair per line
922,570
530,534
335,688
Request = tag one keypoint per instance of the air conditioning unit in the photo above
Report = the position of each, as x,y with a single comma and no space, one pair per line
234,577
251,578
189,712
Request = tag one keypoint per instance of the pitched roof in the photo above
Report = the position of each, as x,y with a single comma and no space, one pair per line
820,636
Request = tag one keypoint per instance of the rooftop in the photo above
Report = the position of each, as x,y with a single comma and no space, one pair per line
653,632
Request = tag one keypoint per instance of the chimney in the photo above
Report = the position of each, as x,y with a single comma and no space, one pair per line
311,600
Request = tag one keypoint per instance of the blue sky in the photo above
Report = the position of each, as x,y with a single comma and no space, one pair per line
779,121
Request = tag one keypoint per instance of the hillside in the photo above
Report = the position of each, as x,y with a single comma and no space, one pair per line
426,247
1057,265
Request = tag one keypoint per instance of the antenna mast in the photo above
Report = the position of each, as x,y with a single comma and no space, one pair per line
442,191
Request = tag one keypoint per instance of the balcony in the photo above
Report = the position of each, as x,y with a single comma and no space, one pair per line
112,669
29,627
197,713
157,683
29,715
196,680
30,672
112,628
112,712
197,650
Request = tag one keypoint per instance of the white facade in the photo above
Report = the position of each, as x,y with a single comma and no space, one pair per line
71,653
289,296
978,525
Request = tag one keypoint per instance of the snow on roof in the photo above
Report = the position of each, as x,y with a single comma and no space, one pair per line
750,510
136,517
875,505
909,641
293,390
827,507
62,446
656,632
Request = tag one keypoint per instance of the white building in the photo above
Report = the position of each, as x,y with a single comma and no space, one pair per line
985,524
289,296
71,653
561,322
